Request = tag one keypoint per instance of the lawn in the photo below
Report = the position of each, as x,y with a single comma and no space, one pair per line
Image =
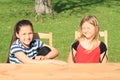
66,19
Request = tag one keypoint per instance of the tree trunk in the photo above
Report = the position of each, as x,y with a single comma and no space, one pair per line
42,6
50,3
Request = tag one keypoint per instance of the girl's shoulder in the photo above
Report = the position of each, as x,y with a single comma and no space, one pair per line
102,44
37,42
16,43
75,44
103,47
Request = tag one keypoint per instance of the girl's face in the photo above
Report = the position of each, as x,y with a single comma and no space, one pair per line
88,30
25,35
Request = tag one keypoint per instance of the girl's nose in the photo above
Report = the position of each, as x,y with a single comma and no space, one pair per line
27,36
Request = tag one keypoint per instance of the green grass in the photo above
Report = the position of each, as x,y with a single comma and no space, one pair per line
67,16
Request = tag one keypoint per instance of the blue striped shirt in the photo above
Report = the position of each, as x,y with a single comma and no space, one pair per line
18,47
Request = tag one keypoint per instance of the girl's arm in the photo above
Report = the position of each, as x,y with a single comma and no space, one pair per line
103,54
26,60
103,57
53,53
71,56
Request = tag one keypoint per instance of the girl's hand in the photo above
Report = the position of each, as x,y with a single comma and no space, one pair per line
40,58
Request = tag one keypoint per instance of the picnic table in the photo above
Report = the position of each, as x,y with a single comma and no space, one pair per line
47,71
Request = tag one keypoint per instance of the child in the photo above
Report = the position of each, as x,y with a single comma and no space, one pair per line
88,48
23,47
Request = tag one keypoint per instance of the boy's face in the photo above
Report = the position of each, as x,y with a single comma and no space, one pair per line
25,35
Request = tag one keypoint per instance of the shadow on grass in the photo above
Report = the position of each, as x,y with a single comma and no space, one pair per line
81,6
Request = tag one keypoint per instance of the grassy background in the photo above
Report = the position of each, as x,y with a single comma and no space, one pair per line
67,16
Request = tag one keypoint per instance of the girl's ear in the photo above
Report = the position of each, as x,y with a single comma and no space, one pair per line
17,35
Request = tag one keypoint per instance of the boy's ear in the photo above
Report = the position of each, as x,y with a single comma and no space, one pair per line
17,35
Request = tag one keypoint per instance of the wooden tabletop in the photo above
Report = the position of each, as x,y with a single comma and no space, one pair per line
97,71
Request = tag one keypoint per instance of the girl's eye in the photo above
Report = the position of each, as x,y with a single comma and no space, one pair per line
88,27
24,34
27,33
30,33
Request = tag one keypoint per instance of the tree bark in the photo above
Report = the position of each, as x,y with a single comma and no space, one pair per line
42,6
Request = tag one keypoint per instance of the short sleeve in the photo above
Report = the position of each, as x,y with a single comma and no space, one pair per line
75,45
37,42
14,49
103,47
40,43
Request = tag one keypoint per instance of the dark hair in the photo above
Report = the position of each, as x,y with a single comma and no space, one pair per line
17,27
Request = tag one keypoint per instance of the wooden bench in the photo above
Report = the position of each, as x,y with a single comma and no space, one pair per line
97,71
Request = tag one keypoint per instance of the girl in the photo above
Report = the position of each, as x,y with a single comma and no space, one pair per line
23,47
88,48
